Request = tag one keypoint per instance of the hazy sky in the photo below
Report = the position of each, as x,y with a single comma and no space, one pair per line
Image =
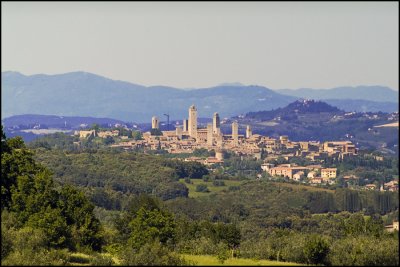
200,44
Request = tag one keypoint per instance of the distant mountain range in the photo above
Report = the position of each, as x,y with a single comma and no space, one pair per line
370,93
50,121
86,94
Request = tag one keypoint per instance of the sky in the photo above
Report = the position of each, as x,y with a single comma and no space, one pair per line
201,44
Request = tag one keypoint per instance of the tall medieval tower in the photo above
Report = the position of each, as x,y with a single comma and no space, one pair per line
248,131
216,124
193,121
235,132
154,122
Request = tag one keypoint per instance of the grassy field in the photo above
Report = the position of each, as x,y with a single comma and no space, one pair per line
301,187
268,123
211,187
79,259
204,260
82,259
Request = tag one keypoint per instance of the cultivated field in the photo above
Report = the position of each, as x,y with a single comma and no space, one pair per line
210,186
207,260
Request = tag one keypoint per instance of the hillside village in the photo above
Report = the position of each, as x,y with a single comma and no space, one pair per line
189,137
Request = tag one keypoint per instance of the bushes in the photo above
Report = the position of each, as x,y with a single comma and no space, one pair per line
28,246
120,172
39,257
38,206
316,249
153,254
149,225
365,251
234,188
218,183
202,188
257,249
200,246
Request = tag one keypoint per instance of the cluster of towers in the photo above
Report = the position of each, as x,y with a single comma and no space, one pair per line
213,130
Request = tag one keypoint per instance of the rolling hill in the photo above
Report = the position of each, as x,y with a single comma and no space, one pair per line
87,94
347,92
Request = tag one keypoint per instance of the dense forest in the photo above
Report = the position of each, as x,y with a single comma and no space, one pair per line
131,208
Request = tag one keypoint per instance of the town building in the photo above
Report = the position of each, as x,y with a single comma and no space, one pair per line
328,173
155,122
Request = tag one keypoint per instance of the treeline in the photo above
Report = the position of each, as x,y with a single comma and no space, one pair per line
367,168
284,233
37,216
42,223
144,217
266,205
293,108
121,171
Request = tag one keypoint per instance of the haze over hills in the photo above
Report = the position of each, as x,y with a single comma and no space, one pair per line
87,94
361,105
347,92
294,109
50,121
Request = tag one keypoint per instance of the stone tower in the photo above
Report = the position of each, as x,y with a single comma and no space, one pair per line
155,122
185,125
248,131
209,134
216,124
193,121
178,132
220,140
235,132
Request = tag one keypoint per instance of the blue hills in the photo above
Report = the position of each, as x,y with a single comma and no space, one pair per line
87,94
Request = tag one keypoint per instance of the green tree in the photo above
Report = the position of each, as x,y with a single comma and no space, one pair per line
223,252
95,127
155,131
202,188
29,193
109,140
229,234
149,225
316,249
137,135
355,225
54,225
16,163
152,254
78,211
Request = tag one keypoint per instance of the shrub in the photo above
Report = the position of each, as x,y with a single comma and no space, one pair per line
218,183
153,254
200,246
316,249
234,188
365,251
202,188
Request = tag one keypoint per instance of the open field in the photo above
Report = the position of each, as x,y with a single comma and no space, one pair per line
211,187
79,259
45,131
207,260
268,123
301,187
394,124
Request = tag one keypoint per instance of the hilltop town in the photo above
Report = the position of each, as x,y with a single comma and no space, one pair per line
188,137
